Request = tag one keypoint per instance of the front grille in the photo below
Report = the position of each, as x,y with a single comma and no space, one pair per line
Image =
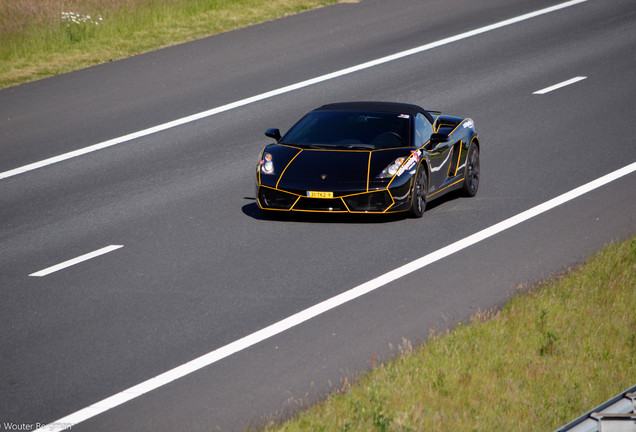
377,201
373,201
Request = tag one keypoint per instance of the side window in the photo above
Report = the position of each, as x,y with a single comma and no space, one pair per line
423,129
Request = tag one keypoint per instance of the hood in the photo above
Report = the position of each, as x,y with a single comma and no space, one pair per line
328,168
343,170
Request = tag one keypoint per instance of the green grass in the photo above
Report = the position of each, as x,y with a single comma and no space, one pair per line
43,38
552,353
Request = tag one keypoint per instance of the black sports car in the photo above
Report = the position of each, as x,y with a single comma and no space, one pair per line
367,157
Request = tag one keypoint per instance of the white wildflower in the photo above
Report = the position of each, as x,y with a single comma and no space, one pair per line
77,18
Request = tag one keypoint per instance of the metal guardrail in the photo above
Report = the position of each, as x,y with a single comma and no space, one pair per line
616,415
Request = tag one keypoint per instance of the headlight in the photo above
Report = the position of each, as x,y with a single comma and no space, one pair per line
392,168
267,164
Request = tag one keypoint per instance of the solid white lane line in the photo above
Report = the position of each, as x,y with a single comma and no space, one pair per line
327,305
559,85
77,260
283,90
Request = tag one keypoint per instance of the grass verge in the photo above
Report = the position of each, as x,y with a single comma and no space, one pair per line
50,37
552,353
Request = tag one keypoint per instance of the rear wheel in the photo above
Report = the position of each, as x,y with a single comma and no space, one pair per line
471,180
418,203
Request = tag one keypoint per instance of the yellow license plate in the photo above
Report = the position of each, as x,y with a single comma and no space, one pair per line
317,194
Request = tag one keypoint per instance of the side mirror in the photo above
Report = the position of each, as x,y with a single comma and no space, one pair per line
439,138
273,133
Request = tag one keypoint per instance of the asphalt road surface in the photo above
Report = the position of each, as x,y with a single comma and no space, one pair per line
194,267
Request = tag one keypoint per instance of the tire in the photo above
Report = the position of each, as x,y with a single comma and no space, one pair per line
418,201
471,179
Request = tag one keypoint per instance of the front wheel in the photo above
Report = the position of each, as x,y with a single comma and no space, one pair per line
418,202
471,180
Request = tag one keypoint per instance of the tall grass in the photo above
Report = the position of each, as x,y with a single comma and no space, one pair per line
547,357
38,39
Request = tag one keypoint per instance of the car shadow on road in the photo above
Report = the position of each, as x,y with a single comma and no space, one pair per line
253,211
450,196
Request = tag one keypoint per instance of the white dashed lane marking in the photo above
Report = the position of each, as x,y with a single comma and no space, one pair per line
77,260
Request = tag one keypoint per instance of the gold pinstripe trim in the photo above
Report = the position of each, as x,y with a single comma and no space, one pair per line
468,151
295,202
387,211
403,164
457,127
438,144
346,150
390,148
368,174
258,167
348,210
444,188
289,146
334,149
337,197
341,198
300,150
412,182
438,125
459,156
287,166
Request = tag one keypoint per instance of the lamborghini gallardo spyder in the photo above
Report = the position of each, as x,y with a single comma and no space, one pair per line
367,157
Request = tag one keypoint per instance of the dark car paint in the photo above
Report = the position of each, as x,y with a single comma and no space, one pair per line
343,170
346,173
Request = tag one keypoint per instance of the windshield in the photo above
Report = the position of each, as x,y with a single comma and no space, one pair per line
351,129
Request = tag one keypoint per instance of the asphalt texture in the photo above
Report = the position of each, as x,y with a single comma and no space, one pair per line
202,268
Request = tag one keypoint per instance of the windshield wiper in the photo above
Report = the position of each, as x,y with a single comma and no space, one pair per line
356,146
305,145
323,146
360,146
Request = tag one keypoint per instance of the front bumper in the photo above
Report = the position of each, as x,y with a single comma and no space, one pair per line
385,200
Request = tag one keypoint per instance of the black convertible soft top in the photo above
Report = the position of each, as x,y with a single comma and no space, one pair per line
393,107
